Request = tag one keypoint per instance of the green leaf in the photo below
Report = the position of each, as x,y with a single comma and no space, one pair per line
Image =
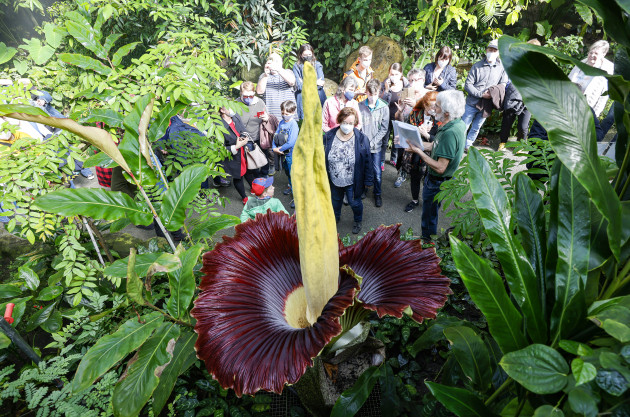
576,348
184,356
167,262
585,13
107,116
133,391
6,53
182,282
615,320
351,400
86,36
52,323
487,291
39,53
461,402
6,109
611,381
5,342
143,143
111,39
40,317
119,268
562,110
123,51
538,368
581,401
119,224
111,349
96,203
134,285
583,371
181,192
207,229
471,354
495,212
101,159
9,290
49,293
85,62
433,333
29,276
548,411
570,211
158,127
54,34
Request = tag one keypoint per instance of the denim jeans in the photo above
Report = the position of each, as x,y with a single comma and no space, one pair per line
378,174
286,164
429,207
337,193
473,119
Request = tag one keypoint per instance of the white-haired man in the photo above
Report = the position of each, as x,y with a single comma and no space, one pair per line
447,150
594,87
276,85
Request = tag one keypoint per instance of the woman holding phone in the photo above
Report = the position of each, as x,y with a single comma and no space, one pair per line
440,74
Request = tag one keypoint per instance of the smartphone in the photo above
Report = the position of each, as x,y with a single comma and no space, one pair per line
404,94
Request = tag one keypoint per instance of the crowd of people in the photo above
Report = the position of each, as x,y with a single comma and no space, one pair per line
359,122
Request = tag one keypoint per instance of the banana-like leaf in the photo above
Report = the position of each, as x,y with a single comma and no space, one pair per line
208,228
162,119
471,354
130,145
459,401
100,159
134,285
93,135
570,210
561,108
530,219
183,357
54,34
134,389
119,268
612,15
487,291
95,203
111,40
107,116
145,147
85,62
182,282
123,51
495,211
85,36
111,349
181,192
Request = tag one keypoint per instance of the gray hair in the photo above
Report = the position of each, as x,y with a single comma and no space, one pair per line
415,71
603,45
452,102
345,83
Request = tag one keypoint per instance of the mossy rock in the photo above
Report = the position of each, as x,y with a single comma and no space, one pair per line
330,87
12,246
386,52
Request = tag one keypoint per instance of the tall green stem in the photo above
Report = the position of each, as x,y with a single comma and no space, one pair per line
499,391
435,29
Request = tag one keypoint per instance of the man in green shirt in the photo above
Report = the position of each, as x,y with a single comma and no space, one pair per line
448,148
263,189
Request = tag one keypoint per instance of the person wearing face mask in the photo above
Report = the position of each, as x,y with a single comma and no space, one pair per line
348,164
284,140
307,54
439,74
594,87
484,74
275,84
361,71
252,117
447,150
235,165
375,115
344,97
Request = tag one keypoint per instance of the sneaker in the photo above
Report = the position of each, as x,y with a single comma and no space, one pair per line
363,195
501,147
245,200
378,201
401,178
222,182
345,200
272,172
356,228
393,162
382,166
292,205
287,191
412,205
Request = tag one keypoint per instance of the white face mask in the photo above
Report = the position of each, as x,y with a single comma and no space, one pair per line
346,128
442,63
492,56
439,116
287,117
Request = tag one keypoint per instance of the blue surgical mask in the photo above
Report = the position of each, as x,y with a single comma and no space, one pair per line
287,117
248,100
349,95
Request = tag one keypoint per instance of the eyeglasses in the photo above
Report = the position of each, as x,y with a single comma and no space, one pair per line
245,96
415,80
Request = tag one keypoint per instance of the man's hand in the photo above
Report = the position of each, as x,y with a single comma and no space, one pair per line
423,131
240,142
486,94
414,148
264,117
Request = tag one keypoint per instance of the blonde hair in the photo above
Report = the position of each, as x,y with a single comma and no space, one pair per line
247,86
365,51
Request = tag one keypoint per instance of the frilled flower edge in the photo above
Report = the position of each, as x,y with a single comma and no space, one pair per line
243,336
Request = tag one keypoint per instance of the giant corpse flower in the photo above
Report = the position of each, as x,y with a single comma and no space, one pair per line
273,296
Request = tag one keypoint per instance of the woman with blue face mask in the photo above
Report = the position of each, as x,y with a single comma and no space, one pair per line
307,54
342,99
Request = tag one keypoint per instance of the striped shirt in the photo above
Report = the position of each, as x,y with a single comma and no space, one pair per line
277,92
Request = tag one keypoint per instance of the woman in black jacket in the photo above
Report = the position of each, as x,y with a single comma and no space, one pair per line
236,164
348,164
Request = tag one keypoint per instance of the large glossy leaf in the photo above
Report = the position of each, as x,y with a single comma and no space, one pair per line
109,350
119,268
570,210
122,52
95,136
182,282
615,320
85,35
487,291
207,229
495,211
471,354
9,290
6,53
561,108
612,17
54,34
538,368
548,411
459,401
181,192
111,40
29,276
101,159
85,62
530,219
183,357
162,119
39,53
134,389
134,285
107,116
95,203
130,145
40,317
351,400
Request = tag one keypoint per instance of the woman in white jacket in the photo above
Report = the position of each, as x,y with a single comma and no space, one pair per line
594,87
